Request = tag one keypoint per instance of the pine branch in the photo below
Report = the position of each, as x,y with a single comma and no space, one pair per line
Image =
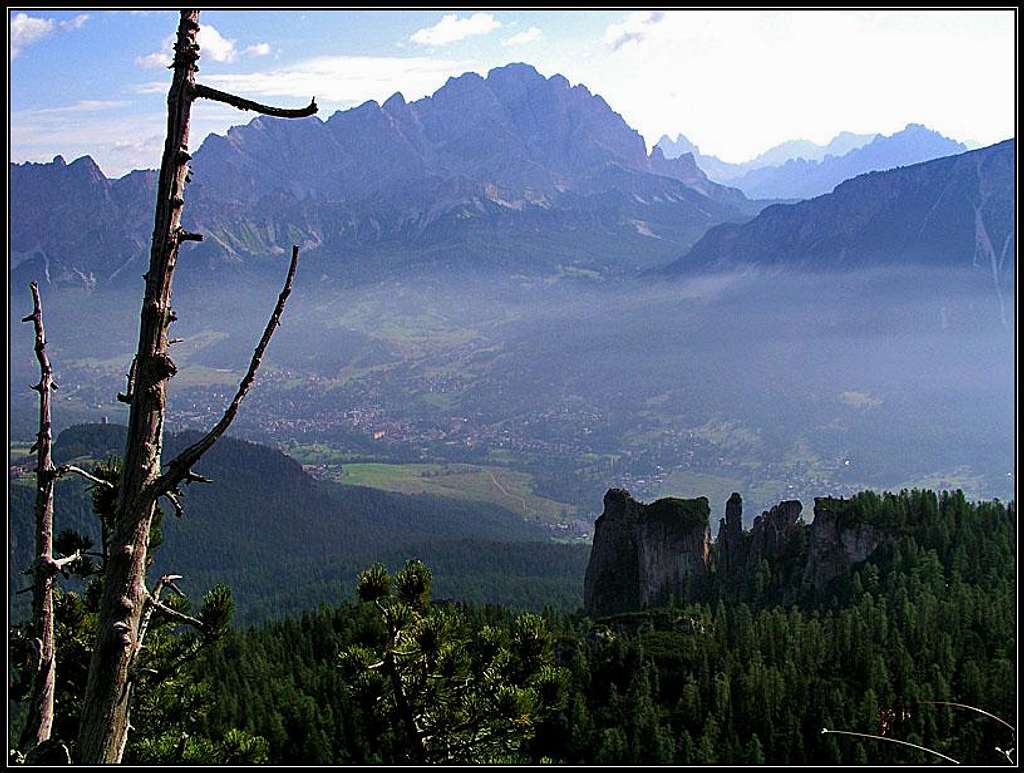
177,616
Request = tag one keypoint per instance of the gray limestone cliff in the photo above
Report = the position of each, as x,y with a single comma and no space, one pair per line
810,556
838,541
773,531
731,547
643,554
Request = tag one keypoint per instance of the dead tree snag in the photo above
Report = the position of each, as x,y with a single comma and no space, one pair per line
105,712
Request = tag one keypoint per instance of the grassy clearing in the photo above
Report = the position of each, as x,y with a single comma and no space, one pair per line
318,453
497,485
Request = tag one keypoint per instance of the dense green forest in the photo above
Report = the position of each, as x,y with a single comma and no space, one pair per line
744,670
931,618
286,542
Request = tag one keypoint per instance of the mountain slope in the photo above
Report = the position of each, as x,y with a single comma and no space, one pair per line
71,225
950,212
270,530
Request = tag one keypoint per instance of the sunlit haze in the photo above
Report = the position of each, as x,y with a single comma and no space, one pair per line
734,82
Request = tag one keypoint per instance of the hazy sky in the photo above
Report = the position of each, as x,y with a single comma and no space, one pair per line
734,82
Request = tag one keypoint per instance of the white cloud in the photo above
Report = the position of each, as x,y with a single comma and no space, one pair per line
119,142
212,45
344,80
452,29
738,82
75,23
81,106
154,60
259,49
151,87
637,26
161,58
26,30
215,46
522,38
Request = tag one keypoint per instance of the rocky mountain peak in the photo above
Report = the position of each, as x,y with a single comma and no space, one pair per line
516,72
513,149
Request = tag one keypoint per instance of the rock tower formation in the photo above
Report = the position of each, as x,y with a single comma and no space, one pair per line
643,554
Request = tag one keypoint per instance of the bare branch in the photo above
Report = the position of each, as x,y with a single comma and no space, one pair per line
172,497
180,468
129,390
70,469
174,614
59,563
166,580
47,566
188,236
199,90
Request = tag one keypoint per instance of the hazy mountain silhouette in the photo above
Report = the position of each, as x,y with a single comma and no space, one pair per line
803,179
724,171
512,172
950,212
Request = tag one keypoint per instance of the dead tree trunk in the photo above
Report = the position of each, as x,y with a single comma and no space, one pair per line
105,711
40,717
39,723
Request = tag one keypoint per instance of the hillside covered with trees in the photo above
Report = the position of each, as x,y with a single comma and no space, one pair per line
733,677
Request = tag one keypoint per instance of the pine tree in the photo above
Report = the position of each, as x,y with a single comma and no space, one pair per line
456,695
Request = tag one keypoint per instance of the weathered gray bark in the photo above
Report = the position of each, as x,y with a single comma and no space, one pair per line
105,711
40,718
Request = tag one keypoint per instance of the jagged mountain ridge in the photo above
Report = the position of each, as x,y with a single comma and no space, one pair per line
468,176
806,178
724,171
951,212
60,213
800,169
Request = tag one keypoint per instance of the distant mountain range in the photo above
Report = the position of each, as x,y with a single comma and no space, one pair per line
512,172
951,212
723,171
801,170
509,174
802,179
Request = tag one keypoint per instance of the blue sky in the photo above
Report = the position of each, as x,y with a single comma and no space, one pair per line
735,82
